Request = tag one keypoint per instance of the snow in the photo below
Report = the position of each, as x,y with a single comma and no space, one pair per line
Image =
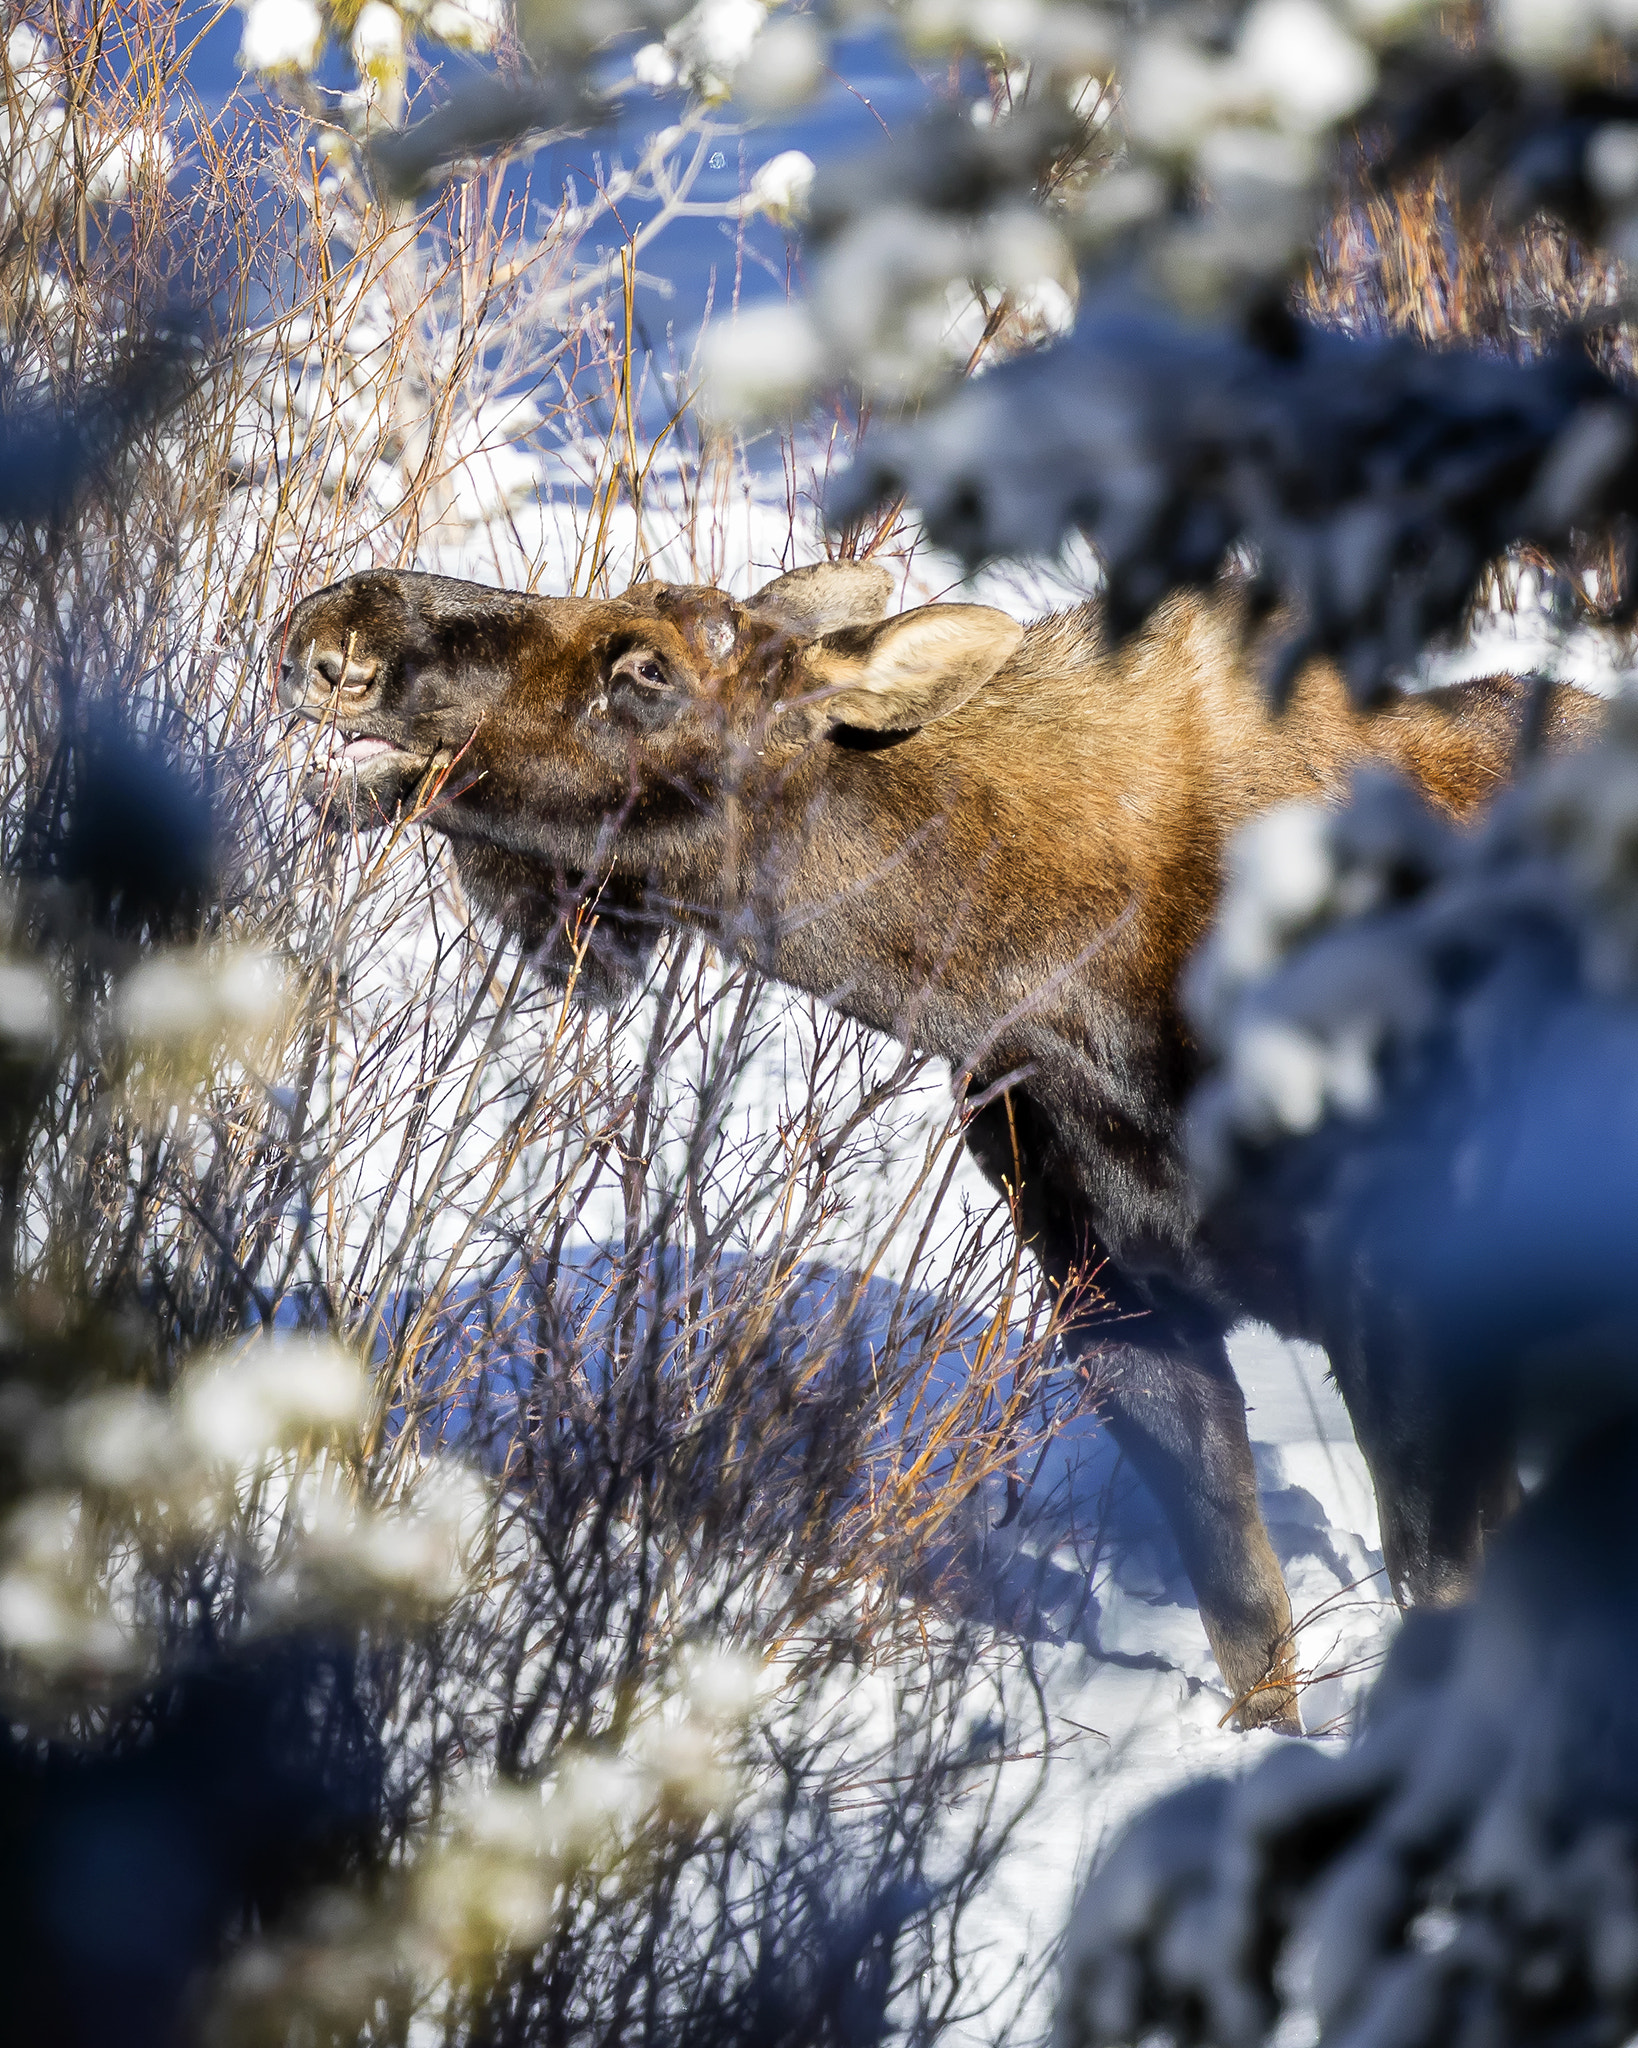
1123,1733
1307,66
281,35
782,185
1532,641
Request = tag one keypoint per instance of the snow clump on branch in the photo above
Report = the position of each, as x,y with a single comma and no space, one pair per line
1351,934
465,24
287,38
281,36
712,41
782,185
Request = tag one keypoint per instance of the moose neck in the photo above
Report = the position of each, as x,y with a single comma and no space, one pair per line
923,883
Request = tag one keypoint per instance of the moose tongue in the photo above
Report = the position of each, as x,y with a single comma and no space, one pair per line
365,749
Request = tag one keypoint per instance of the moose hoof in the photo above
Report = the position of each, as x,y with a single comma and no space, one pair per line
1273,1704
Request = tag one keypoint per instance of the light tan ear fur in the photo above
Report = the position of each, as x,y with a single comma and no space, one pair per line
825,597
914,669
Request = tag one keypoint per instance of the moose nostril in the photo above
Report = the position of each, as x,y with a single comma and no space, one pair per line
291,687
342,668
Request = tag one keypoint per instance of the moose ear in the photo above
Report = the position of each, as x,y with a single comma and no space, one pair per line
911,669
825,597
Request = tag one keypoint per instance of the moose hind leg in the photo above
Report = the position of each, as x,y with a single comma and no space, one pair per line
1443,1461
1180,1418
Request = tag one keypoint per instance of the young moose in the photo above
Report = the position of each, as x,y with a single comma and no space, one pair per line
999,843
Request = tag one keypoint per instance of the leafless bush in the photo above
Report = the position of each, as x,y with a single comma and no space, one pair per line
634,1517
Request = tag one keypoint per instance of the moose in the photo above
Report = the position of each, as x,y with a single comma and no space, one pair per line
997,842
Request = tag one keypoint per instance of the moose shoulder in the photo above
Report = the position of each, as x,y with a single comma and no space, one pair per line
999,843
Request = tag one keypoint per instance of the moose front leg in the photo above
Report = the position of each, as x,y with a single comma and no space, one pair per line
1180,1418
1165,1389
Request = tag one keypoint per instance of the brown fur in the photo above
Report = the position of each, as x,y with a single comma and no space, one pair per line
998,846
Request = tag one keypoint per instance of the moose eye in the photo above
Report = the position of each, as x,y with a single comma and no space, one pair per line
641,667
640,691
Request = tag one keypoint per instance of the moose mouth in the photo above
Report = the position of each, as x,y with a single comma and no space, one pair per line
363,775
366,748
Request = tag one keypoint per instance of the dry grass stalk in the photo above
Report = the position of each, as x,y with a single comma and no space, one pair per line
1410,259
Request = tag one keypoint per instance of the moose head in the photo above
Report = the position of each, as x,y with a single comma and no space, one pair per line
606,766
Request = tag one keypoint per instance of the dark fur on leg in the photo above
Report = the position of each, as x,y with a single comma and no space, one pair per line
1180,1419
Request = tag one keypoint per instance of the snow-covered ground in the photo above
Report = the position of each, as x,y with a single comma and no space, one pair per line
1123,1732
